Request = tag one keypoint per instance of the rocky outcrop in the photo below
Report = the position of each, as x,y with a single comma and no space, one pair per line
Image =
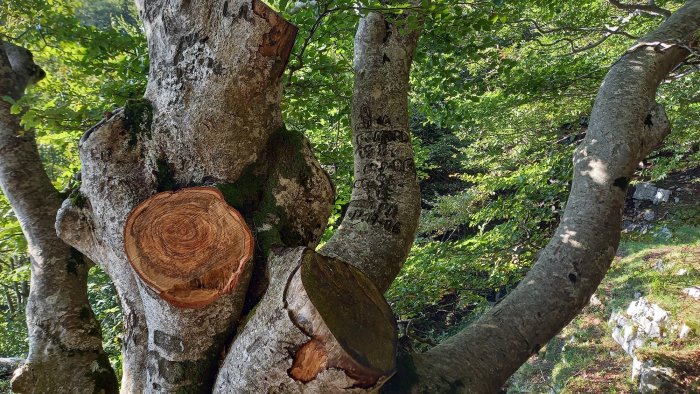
645,323
649,192
693,291
642,321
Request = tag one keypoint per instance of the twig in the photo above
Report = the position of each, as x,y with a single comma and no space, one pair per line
651,8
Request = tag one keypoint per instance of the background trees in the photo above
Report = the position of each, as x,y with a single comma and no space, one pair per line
510,82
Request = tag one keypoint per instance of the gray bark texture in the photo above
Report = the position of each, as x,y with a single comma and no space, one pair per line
379,226
626,125
270,355
65,342
375,236
211,117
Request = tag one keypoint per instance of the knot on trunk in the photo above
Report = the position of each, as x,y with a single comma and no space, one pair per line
656,128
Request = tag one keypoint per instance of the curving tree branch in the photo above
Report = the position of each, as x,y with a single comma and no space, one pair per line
65,342
626,125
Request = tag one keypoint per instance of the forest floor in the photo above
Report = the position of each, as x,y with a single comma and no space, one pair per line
656,260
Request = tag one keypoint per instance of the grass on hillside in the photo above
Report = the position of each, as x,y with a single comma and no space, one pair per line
583,358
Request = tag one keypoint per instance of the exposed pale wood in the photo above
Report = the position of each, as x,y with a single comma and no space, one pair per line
189,245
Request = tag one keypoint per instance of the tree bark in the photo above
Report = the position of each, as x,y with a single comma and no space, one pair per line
65,342
305,351
301,338
210,118
626,125
380,224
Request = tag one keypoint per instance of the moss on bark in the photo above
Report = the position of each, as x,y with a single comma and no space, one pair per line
138,116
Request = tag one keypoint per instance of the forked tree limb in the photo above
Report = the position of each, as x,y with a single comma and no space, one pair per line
379,226
210,118
322,325
626,125
65,341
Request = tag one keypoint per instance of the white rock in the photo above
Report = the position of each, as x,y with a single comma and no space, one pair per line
661,195
648,215
640,322
685,331
654,330
658,313
654,379
664,233
644,191
636,368
693,292
649,192
636,307
682,272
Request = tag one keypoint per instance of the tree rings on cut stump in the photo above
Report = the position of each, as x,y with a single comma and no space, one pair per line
351,325
190,246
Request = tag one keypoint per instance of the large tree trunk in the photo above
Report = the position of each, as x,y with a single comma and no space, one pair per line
211,118
65,342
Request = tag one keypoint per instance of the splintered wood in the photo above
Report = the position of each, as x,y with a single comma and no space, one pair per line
190,246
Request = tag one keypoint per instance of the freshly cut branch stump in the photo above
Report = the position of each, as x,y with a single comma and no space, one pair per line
190,246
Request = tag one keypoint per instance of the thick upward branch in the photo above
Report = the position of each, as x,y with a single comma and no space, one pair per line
214,77
626,125
66,354
322,327
380,223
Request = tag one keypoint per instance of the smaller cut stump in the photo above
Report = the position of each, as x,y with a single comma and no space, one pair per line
350,324
190,246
